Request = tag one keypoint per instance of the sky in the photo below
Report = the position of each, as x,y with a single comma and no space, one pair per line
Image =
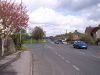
58,16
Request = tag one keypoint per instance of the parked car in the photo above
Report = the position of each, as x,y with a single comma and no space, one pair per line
58,42
80,45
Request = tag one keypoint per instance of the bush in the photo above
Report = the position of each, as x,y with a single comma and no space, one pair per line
87,39
97,41
19,41
70,37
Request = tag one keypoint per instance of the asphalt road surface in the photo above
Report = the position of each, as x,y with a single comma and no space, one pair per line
62,59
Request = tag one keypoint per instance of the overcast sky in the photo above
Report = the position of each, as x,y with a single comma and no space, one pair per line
57,16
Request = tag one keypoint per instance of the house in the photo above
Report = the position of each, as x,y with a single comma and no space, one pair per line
98,34
93,31
76,35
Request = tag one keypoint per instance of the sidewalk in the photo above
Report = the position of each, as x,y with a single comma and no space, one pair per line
22,66
7,60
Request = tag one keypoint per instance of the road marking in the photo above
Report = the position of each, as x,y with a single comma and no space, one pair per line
82,52
56,53
59,55
75,67
63,58
67,61
49,47
95,56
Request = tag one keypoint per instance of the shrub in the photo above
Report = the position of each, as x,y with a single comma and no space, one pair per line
97,41
87,39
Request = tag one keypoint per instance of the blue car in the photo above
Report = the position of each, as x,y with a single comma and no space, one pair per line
80,45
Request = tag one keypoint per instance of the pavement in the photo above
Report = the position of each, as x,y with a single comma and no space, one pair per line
4,62
17,65
62,59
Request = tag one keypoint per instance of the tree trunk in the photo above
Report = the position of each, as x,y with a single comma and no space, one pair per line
2,54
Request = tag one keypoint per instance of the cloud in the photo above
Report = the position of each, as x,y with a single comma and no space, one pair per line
93,13
57,16
54,22
34,4
77,4
46,15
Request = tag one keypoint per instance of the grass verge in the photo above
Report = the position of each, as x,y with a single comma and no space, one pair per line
32,41
23,49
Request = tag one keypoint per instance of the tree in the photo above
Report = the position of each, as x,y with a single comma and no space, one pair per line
98,41
38,33
13,16
70,37
19,38
87,39
60,36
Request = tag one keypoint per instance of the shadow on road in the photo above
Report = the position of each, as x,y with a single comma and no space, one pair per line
8,72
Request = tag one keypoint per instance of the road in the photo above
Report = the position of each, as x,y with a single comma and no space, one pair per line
62,59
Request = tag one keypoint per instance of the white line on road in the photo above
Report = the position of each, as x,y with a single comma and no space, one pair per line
67,61
49,47
75,67
59,55
95,56
63,58
82,52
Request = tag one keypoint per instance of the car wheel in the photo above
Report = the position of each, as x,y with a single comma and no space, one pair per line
85,48
74,46
77,47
